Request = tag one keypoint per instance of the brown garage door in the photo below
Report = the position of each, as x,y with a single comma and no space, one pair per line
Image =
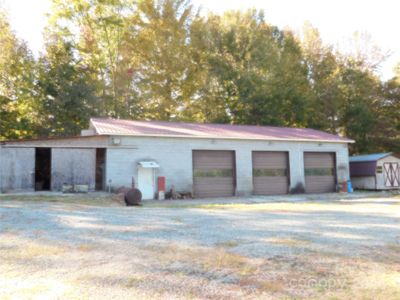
320,172
213,173
270,173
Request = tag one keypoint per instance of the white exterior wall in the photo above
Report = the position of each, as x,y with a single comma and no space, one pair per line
363,183
17,161
17,169
380,183
73,166
174,155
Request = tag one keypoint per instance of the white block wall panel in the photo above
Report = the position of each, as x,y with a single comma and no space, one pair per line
363,183
244,171
17,169
72,166
174,155
296,167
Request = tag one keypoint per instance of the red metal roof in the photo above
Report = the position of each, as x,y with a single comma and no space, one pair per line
218,131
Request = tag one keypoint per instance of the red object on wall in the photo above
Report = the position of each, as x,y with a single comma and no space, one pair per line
161,183
344,186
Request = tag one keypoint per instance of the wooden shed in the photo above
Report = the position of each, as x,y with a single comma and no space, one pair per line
379,171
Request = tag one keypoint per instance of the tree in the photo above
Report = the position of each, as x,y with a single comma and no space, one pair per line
16,83
361,91
255,72
324,75
138,52
97,31
160,59
389,115
66,97
164,72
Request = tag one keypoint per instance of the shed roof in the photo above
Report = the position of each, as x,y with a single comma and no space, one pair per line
202,130
368,157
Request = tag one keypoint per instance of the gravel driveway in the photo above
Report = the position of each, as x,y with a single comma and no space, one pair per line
316,249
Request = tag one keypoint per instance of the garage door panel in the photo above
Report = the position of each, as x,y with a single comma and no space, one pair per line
319,184
207,187
213,193
270,173
204,159
270,160
319,170
206,166
213,173
204,182
276,186
319,160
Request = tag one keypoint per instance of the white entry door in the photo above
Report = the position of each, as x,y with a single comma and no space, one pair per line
146,182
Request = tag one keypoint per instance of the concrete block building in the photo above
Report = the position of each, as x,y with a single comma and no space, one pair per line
209,160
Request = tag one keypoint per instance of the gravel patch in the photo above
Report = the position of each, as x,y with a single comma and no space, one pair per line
238,251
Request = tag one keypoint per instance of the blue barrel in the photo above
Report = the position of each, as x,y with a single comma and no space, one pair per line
349,187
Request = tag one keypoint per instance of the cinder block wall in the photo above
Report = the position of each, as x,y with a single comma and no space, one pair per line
174,155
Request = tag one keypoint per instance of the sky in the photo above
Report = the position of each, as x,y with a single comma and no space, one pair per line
336,20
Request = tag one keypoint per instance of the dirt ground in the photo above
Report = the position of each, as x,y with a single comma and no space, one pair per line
57,247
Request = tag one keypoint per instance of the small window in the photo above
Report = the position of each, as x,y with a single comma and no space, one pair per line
213,173
379,169
269,172
319,172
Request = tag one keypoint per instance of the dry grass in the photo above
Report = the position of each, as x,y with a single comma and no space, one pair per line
221,259
309,276
79,199
394,247
190,272
86,247
134,280
33,251
228,244
287,241
281,207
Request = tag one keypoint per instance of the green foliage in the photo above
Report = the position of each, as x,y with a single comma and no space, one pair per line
359,117
324,74
254,72
389,116
161,59
65,96
16,84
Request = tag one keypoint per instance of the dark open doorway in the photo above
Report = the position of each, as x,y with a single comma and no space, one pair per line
100,168
43,169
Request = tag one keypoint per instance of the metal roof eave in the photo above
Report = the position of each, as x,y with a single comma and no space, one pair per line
344,141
